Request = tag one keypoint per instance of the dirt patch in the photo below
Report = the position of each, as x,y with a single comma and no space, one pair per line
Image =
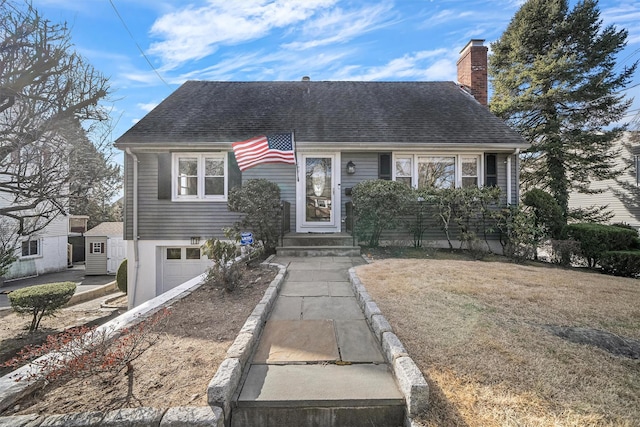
614,344
479,333
178,368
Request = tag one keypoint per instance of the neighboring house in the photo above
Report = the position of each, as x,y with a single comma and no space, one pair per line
621,195
179,163
43,252
104,248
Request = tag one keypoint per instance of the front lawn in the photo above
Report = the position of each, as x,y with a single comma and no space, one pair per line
503,344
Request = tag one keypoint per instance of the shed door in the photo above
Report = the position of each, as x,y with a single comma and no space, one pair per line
116,253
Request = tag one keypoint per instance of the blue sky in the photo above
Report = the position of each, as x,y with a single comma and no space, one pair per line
245,40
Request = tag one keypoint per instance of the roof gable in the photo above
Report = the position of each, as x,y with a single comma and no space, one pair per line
325,111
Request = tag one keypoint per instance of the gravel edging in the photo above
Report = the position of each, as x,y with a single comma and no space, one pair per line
220,389
410,380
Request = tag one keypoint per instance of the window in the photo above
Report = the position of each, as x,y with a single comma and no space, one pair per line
193,253
199,176
30,248
403,170
174,253
469,171
437,171
96,248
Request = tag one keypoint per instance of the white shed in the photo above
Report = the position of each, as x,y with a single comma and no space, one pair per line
104,248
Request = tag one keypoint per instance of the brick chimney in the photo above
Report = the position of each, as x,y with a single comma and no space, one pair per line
472,70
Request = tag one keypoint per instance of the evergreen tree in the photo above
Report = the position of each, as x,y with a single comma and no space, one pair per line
555,81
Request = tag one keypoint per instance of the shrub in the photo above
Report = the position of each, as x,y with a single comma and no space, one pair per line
379,205
621,263
84,351
564,252
518,232
259,200
41,300
596,239
547,211
224,271
121,276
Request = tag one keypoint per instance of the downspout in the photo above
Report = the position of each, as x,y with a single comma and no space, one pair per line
136,259
516,152
516,155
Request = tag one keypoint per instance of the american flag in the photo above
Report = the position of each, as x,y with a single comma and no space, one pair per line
274,148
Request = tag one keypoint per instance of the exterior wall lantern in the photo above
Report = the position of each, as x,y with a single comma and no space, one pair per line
351,168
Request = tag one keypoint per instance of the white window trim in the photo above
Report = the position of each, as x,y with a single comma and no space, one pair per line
458,165
36,255
200,197
97,245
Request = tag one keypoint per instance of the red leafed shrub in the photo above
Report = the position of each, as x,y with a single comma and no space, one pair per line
82,352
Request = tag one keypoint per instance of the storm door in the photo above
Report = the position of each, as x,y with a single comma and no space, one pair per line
318,193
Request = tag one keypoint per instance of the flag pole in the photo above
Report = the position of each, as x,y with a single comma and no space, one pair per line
295,153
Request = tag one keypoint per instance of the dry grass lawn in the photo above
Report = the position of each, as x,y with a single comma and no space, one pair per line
483,335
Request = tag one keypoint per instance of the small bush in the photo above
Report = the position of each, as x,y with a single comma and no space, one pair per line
259,200
41,300
121,276
621,263
564,252
596,239
224,271
379,205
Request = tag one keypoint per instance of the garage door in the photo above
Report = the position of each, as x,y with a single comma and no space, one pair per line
180,264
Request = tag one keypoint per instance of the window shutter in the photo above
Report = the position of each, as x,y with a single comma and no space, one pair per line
102,247
235,174
164,176
384,166
91,247
491,171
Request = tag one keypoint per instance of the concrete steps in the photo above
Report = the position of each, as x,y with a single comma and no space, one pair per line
319,244
323,395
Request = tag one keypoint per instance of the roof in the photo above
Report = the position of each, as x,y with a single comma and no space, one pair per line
320,112
106,229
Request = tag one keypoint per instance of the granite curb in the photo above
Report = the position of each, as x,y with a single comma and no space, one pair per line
410,380
224,384
197,416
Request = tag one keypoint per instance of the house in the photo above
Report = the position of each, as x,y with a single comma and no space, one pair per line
43,252
179,163
104,248
621,196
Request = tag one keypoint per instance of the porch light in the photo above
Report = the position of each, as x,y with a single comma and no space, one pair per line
351,168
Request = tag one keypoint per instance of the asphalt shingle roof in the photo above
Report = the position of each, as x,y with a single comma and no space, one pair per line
106,229
323,111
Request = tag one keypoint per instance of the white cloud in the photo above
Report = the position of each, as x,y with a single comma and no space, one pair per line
193,33
147,106
431,65
339,25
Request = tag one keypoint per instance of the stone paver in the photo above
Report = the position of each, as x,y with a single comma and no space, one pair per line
287,308
305,289
343,308
357,343
286,341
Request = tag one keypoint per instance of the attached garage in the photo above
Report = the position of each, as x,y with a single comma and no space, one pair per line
104,249
180,264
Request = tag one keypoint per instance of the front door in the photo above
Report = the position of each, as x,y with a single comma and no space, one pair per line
318,194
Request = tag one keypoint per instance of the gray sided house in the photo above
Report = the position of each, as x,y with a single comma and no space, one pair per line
179,163
104,248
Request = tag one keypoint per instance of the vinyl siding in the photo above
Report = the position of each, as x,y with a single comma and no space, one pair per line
621,197
168,220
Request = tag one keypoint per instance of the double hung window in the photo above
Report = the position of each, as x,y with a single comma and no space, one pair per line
31,247
199,176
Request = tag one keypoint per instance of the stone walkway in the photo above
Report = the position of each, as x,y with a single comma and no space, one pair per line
316,349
